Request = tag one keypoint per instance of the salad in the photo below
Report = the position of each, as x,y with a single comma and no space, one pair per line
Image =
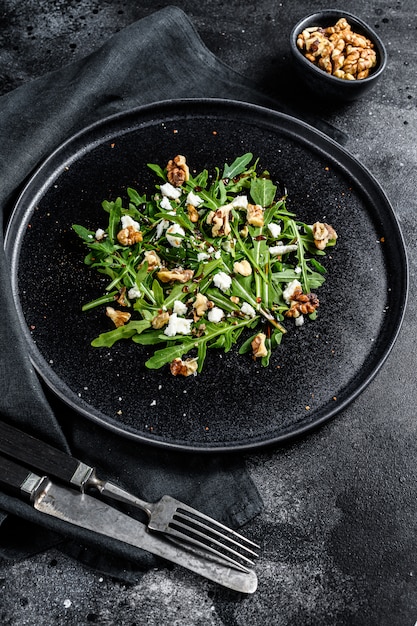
203,258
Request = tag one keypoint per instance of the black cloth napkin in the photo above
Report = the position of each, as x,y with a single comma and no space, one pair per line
161,57
158,58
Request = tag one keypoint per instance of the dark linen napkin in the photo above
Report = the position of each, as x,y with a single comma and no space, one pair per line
160,57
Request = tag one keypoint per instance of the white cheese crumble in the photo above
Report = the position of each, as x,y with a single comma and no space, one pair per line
202,256
179,307
173,230
100,234
134,293
247,309
222,281
165,203
128,221
240,202
283,249
215,315
194,200
177,326
290,289
161,226
299,321
274,229
173,193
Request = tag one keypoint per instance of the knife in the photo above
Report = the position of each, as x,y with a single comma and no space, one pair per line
87,512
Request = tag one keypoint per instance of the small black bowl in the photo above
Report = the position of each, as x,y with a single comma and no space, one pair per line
326,86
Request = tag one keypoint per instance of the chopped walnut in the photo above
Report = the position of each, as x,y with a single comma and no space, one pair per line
179,275
338,50
243,268
323,233
129,236
160,320
179,367
220,221
259,348
192,213
302,304
177,171
153,260
201,304
121,299
119,318
255,215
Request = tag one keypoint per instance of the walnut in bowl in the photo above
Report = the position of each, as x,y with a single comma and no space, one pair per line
337,55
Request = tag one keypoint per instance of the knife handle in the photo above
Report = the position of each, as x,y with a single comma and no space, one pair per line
31,451
12,475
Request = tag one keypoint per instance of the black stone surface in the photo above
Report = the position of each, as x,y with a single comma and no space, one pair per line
338,532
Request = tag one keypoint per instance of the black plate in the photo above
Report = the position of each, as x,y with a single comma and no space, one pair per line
234,403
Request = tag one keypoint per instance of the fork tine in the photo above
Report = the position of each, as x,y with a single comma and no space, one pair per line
213,525
204,549
211,534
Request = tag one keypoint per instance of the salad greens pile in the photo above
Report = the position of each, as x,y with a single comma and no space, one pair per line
201,259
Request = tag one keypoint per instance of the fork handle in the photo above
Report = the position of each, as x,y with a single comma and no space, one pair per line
37,454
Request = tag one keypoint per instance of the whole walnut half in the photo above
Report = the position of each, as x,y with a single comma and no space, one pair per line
177,171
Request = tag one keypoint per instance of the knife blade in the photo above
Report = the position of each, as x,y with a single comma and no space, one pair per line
84,511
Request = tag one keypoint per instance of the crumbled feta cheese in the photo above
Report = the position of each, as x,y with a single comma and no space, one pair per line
222,281
173,193
290,289
274,229
177,326
173,230
215,315
128,221
100,234
166,204
297,269
202,256
247,309
283,249
161,226
299,321
194,200
217,254
240,202
179,307
134,293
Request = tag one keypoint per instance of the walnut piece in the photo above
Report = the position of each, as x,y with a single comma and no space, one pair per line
129,236
302,304
160,320
153,260
259,348
119,318
177,171
323,233
201,304
255,215
179,367
243,268
220,221
178,275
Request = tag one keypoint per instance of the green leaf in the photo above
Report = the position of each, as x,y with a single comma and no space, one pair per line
107,340
238,166
262,191
85,234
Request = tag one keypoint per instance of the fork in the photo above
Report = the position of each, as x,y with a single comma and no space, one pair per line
169,516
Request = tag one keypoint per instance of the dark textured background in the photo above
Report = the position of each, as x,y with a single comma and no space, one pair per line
338,532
